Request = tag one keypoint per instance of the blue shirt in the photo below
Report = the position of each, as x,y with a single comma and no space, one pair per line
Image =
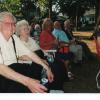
60,35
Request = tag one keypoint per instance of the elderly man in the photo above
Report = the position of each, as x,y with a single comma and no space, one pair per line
64,53
16,77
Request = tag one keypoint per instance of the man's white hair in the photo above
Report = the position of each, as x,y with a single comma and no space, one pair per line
4,14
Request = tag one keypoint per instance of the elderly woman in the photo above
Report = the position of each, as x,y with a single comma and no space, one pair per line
23,31
48,41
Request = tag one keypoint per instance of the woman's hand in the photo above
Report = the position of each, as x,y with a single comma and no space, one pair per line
50,75
49,72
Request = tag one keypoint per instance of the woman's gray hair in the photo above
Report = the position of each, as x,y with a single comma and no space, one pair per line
4,14
19,24
67,22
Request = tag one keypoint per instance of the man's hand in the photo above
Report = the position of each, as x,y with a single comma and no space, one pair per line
34,86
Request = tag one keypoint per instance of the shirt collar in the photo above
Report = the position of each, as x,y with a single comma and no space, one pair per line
3,39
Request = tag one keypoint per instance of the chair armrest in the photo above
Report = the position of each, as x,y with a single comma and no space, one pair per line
50,52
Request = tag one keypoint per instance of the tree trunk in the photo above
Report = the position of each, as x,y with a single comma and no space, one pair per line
97,14
50,8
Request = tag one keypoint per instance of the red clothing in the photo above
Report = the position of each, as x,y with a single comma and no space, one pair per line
46,37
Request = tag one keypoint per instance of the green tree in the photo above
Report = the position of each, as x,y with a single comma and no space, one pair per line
97,16
74,8
46,7
28,8
10,5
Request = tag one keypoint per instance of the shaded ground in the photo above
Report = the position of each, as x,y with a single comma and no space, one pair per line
85,81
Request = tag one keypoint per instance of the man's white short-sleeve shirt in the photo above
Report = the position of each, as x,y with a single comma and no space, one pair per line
7,53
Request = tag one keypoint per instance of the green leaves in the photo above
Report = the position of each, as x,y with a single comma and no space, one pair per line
10,5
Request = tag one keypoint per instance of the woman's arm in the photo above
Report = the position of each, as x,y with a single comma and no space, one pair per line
33,57
39,61
24,58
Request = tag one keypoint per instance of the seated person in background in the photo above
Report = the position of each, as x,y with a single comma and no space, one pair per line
32,29
23,31
48,42
86,53
37,30
14,76
74,47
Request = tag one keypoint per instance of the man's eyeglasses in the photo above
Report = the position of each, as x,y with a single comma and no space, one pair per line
8,23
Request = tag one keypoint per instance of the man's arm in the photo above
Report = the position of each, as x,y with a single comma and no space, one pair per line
30,83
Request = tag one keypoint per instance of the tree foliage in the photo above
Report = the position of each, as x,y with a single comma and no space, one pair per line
69,7
10,5
46,7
